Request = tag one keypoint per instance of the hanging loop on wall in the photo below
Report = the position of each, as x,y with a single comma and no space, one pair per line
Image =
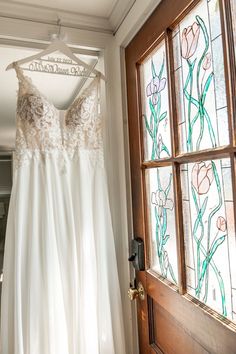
59,28
58,35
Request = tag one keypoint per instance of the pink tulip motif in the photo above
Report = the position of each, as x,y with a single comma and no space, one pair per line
156,116
190,38
207,62
221,223
154,88
202,176
198,61
205,234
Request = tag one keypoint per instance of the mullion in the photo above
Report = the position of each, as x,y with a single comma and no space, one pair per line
146,221
140,111
175,166
233,176
179,228
171,86
192,157
229,48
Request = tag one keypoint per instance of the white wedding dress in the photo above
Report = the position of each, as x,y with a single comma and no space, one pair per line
60,286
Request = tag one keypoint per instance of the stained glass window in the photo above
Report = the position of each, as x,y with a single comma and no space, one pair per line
160,195
200,81
155,105
210,246
202,122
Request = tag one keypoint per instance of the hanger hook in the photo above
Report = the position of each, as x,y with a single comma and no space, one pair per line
59,27
58,34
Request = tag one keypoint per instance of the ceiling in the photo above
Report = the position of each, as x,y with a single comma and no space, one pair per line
100,8
103,15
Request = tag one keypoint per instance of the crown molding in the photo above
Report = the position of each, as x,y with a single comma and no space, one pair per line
41,14
134,19
50,16
119,12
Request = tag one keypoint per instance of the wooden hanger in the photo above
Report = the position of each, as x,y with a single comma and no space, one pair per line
58,45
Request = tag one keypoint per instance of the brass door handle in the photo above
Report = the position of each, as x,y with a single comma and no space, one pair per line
133,293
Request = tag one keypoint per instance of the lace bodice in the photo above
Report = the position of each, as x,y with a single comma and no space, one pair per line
38,120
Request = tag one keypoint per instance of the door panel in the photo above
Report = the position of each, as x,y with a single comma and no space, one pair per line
168,335
181,107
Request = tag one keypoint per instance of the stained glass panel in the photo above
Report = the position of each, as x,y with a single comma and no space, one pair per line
200,81
160,200
209,234
155,105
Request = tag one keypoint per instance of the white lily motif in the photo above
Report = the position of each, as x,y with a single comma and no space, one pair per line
160,199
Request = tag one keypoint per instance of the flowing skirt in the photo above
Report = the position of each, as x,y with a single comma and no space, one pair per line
60,285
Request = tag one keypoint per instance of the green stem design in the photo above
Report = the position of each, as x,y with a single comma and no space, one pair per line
208,119
220,281
189,80
213,212
206,38
152,125
205,265
198,221
191,67
203,269
161,236
147,126
201,113
211,131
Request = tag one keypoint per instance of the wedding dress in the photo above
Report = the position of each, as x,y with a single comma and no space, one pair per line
60,286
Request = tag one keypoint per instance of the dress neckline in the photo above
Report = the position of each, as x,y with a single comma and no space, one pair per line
22,76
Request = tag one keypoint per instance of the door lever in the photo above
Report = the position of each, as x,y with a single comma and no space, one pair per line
137,254
132,257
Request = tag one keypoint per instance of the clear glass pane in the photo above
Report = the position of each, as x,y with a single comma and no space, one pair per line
209,234
200,81
160,200
155,105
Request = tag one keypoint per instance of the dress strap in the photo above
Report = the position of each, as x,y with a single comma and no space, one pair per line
25,82
99,87
19,72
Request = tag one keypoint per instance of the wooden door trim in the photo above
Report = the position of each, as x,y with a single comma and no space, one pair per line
187,313
184,306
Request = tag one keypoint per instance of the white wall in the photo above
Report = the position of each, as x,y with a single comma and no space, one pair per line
116,127
119,174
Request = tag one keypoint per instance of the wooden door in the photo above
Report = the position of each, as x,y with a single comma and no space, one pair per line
182,109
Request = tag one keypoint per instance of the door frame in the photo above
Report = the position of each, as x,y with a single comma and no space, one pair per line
184,308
